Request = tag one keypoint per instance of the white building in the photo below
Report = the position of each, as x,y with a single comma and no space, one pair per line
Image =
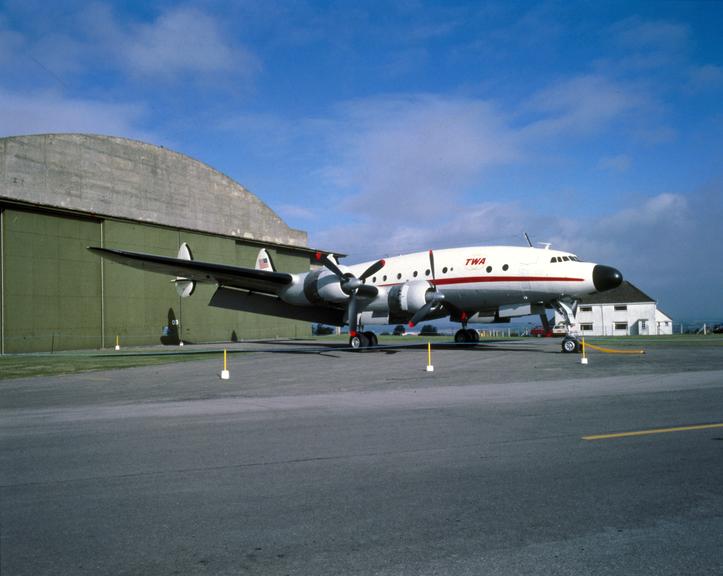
625,310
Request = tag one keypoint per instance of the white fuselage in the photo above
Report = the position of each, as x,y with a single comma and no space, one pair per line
477,284
481,277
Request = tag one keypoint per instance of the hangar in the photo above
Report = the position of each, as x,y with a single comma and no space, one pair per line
60,193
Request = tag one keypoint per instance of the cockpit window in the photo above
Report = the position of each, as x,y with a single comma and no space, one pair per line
566,259
553,259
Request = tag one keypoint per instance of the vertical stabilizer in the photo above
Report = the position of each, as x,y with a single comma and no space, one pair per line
264,262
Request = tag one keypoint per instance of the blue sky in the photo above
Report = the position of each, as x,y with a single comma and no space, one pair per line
386,127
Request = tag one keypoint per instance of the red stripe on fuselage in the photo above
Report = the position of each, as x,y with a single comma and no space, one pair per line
475,279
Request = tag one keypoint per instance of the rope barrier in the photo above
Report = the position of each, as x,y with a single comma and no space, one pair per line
610,350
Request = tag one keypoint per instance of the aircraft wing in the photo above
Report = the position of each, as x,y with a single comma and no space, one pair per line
245,278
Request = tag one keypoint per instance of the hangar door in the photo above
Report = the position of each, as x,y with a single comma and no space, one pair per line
51,283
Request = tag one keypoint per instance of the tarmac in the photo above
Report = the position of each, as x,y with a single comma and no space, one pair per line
321,462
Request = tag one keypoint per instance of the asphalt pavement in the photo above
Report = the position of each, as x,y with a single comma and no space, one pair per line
335,462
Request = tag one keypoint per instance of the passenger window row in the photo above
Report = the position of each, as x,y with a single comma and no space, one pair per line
428,272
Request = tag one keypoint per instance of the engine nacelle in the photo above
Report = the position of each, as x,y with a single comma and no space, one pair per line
405,299
316,287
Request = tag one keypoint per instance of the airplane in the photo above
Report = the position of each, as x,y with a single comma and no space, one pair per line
478,284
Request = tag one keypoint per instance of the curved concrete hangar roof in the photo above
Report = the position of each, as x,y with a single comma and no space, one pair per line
112,176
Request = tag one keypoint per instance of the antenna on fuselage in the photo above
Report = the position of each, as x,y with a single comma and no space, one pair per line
528,239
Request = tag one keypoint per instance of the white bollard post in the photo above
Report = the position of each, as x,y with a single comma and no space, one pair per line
430,368
224,373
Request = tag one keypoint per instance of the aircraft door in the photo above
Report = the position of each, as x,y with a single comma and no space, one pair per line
529,270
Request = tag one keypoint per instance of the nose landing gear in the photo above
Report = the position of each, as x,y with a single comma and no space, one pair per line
570,344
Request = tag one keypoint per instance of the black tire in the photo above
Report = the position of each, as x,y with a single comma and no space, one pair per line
372,338
460,336
570,345
472,335
359,341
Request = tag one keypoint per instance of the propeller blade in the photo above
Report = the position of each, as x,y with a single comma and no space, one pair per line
431,265
421,314
367,291
373,269
434,299
326,261
351,313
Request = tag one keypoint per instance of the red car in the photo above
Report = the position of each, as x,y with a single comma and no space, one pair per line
540,332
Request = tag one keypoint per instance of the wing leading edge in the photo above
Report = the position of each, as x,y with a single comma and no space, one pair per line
264,281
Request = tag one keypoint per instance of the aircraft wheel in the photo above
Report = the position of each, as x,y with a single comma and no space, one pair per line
372,338
472,335
460,336
570,345
358,342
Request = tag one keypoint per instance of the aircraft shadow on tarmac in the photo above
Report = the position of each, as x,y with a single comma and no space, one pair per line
306,347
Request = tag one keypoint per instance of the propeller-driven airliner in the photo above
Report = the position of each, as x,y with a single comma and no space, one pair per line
478,284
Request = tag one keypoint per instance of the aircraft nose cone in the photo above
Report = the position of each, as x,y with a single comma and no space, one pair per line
606,278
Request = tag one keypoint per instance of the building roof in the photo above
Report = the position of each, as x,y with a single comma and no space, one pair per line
624,293
116,177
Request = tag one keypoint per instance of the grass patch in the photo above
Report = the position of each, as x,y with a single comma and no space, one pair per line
28,365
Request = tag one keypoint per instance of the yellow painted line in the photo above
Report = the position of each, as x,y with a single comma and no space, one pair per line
652,431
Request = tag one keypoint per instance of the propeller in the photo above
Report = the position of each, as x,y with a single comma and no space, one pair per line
351,285
432,296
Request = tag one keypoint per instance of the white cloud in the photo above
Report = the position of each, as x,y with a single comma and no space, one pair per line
707,77
180,41
651,35
409,154
49,113
580,105
617,163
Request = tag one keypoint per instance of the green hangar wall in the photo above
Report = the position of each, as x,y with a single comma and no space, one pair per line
56,295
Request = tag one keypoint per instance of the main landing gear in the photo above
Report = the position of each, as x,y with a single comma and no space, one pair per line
466,336
363,340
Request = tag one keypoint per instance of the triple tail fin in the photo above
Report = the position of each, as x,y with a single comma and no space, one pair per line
264,262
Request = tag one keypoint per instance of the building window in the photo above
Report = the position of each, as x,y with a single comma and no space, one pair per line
621,325
585,308
621,308
586,327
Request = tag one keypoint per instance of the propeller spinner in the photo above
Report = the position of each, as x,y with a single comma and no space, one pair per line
352,286
434,298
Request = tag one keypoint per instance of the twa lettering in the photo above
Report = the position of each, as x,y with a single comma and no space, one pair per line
475,261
